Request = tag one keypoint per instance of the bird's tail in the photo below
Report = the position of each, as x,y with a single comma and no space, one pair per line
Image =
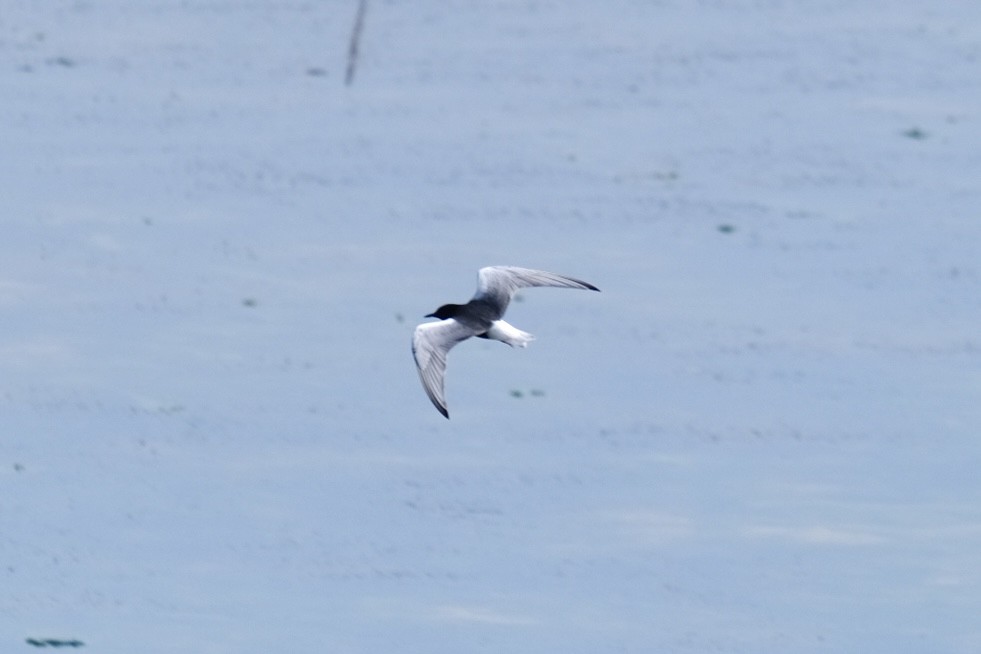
520,339
502,331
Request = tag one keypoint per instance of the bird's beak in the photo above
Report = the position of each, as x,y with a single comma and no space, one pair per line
429,315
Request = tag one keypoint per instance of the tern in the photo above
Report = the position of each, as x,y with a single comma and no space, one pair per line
480,317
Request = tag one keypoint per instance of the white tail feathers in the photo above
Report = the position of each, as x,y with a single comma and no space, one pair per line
502,331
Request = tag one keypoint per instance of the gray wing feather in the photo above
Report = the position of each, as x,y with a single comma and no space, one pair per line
497,284
430,344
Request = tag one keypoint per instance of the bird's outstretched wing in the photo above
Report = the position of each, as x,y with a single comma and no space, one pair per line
430,344
497,284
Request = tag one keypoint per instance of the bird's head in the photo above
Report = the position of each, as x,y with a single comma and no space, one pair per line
445,311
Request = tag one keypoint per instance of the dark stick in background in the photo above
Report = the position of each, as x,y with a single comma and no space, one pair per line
352,50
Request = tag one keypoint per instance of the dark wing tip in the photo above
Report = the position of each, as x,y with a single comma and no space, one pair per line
442,409
585,285
436,403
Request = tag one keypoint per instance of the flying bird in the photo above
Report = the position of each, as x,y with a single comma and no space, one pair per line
480,317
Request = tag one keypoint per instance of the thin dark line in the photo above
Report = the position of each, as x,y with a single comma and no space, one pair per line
352,50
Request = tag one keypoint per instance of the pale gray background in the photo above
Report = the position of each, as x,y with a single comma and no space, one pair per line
762,437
